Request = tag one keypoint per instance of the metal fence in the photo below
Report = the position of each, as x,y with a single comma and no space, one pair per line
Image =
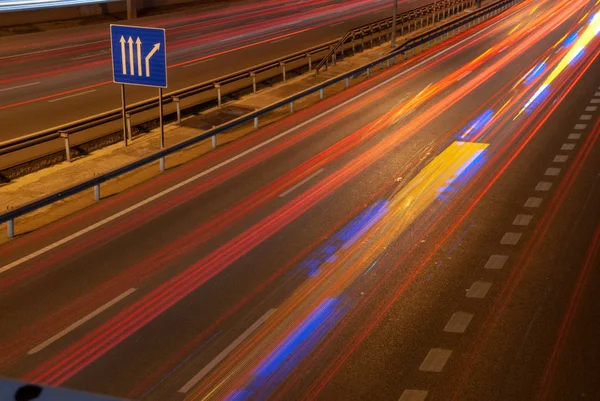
446,30
409,20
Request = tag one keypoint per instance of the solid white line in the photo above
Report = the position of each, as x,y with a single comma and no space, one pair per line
304,181
89,55
251,150
337,23
51,50
281,40
20,86
199,62
219,358
69,96
81,321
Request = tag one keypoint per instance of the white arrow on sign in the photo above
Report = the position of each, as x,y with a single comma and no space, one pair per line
138,42
131,70
154,50
124,64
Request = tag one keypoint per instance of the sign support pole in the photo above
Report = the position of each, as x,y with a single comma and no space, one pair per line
124,111
160,118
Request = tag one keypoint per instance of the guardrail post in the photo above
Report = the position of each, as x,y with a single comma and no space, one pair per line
347,82
10,228
161,164
218,88
97,192
334,56
342,51
291,107
255,122
65,136
362,45
405,55
371,38
253,75
282,64
368,71
178,105
353,45
321,93
214,141
128,123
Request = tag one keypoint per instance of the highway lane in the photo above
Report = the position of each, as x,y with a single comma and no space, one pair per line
272,213
67,81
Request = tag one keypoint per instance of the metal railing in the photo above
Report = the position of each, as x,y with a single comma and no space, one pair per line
453,28
217,85
423,16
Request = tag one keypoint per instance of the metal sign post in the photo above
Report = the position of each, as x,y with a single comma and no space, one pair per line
139,57
160,118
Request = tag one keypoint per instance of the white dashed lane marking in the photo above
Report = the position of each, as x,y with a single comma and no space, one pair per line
567,146
595,101
496,262
479,289
522,220
591,108
533,202
580,126
585,117
458,322
510,239
597,94
435,360
413,395
552,171
543,186
574,136
70,96
561,158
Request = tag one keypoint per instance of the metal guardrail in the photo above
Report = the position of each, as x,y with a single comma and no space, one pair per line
426,15
453,27
65,130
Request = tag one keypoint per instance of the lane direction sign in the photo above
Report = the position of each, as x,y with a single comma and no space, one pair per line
139,55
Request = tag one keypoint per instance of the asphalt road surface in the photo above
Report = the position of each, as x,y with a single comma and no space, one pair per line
430,234
52,78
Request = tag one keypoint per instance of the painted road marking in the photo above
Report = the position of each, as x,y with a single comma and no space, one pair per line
543,186
561,158
591,108
78,323
522,220
413,395
70,96
479,289
281,40
246,152
597,94
567,146
552,171
304,181
496,262
595,101
510,239
435,360
337,23
580,126
574,136
20,86
533,202
458,322
585,117
219,358
199,62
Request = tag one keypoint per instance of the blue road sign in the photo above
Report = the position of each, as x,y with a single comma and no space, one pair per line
139,55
